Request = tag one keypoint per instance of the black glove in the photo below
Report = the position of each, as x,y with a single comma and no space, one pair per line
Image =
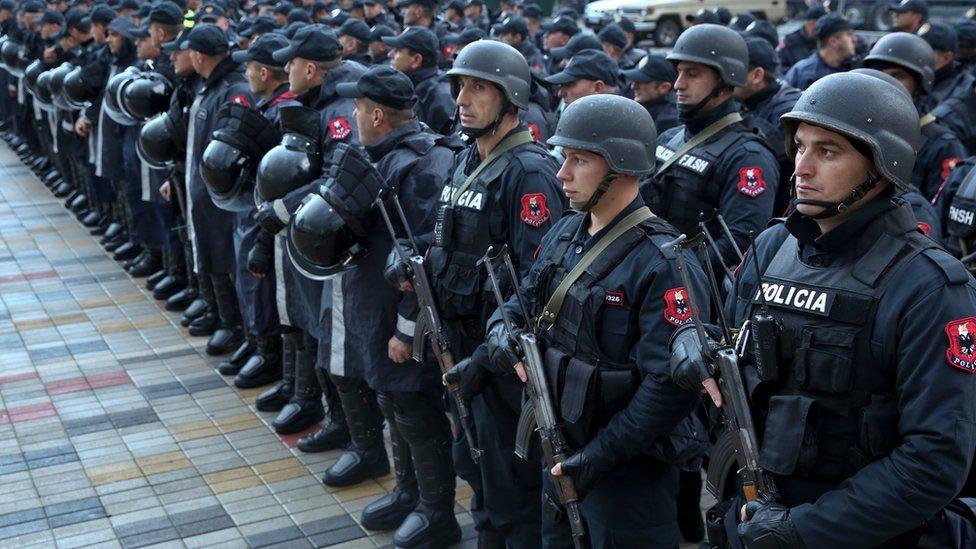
397,271
470,378
579,466
261,257
688,367
268,219
503,352
770,527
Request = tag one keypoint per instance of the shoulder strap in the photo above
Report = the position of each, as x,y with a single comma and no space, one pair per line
700,138
555,303
926,120
509,143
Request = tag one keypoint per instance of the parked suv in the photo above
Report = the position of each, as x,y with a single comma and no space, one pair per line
664,20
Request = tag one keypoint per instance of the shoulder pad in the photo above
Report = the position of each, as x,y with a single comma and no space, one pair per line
935,130
775,221
420,143
954,271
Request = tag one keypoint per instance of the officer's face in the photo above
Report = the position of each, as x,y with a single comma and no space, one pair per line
695,81
581,174
256,77
182,65
478,101
412,14
904,77
555,39
575,90
49,29
472,12
404,59
511,38
99,33
827,167
372,10
367,115
145,48
378,49
114,42
843,41
349,45
646,92
300,75
906,22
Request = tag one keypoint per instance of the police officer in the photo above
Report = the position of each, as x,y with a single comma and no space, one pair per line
503,191
864,403
950,77
474,11
415,53
609,141
909,59
713,163
415,163
764,99
589,72
514,31
614,42
556,34
652,81
909,15
561,55
211,228
835,49
354,36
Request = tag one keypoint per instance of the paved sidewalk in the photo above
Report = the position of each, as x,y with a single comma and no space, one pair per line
115,429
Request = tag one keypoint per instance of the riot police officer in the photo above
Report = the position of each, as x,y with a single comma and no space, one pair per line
951,78
503,191
415,54
652,81
610,329
713,162
835,50
866,395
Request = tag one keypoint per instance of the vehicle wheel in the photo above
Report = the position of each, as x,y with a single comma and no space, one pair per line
880,18
666,33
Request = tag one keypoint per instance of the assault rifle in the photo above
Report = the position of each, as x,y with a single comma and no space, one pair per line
554,446
428,320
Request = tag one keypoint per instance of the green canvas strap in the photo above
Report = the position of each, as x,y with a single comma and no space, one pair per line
509,143
700,138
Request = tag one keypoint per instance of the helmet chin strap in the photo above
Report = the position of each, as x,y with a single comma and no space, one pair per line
687,112
475,133
831,209
601,190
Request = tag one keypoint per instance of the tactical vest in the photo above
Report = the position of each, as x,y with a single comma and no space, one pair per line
463,233
834,407
962,211
691,186
587,349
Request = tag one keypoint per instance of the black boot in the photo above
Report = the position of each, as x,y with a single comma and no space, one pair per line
113,231
366,456
230,333
335,434
92,219
154,279
63,189
148,265
432,524
175,280
113,244
389,510
206,322
78,203
264,366
304,409
103,223
193,311
275,398
236,361
128,250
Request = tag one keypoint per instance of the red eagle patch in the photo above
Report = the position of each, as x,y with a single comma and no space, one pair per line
536,134
947,165
677,309
534,210
240,100
924,227
962,344
751,182
339,128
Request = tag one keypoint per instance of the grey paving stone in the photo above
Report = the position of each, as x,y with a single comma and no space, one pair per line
72,506
142,526
150,538
19,517
23,528
327,524
300,543
196,515
162,390
275,536
334,537
76,517
204,526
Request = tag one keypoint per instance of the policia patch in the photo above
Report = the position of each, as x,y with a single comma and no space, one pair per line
962,344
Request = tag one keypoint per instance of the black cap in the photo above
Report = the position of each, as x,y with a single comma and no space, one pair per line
122,26
561,24
761,53
531,11
471,34
312,42
626,24
52,17
917,6
966,33
102,14
741,21
382,84
166,13
760,28
377,33
652,68
513,24
282,8
815,12
262,24
129,5
429,3
940,36
174,44
831,23
261,50
336,18
355,28
8,5
567,11
32,6
577,44
291,29
703,16
418,40
142,31
299,14
210,12
144,11
478,3
614,35
206,38
724,15
75,18
589,65
456,5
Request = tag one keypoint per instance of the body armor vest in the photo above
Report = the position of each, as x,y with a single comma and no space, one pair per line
962,211
587,350
834,406
691,186
464,231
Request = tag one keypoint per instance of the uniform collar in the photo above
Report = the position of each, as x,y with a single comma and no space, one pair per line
584,241
223,68
949,71
855,234
378,150
703,120
755,99
422,74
